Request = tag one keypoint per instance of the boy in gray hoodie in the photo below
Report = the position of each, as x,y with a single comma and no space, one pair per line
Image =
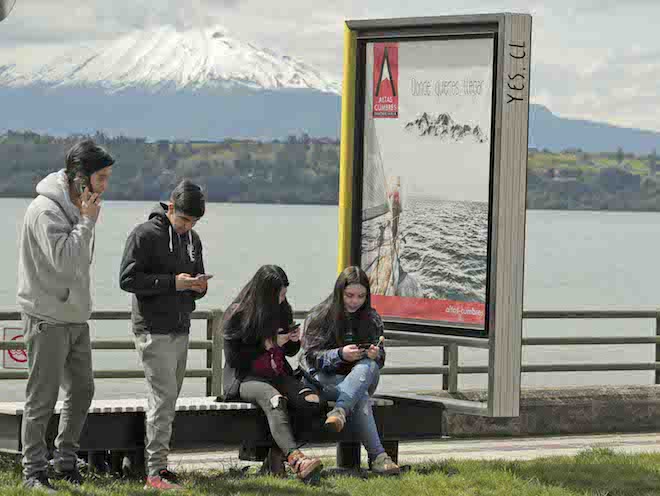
55,255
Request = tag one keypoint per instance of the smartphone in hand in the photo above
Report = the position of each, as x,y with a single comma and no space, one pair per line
203,277
81,182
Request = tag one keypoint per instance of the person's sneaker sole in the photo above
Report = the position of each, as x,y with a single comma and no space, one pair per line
387,472
334,425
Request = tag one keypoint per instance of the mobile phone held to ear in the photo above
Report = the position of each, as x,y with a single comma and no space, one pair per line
81,182
203,277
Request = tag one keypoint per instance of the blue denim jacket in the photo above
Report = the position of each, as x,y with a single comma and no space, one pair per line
322,352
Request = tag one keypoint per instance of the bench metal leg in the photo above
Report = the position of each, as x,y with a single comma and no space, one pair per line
96,462
139,467
116,459
392,449
348,455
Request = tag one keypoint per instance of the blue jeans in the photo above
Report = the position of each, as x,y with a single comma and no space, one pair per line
351,392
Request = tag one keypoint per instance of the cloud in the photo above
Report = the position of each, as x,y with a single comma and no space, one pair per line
590,59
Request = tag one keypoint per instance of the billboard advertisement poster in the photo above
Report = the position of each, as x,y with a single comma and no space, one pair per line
426,178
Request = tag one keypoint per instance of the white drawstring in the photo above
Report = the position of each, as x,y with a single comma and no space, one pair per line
191,252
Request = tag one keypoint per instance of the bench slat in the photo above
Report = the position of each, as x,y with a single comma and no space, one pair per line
133,405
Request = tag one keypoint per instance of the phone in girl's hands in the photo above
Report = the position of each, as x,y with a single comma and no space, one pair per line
203,277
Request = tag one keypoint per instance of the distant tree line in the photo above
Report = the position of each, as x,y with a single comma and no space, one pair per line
305,170
574,180
299,169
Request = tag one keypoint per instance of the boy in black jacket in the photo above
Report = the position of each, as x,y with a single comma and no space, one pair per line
161,266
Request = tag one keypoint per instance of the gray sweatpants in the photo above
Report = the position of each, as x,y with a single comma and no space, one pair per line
59,355
163,357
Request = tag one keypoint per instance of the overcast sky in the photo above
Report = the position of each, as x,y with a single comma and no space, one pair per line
599,60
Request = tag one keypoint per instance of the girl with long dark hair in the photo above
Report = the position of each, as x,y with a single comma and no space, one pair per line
258,334
343,352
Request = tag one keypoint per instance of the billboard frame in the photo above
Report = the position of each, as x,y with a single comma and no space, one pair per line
507,196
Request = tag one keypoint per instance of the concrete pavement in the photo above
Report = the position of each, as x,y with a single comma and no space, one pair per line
440,449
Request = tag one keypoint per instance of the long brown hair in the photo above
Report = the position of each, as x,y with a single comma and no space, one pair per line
331,314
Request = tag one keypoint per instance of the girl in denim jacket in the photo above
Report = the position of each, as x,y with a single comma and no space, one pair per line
343,352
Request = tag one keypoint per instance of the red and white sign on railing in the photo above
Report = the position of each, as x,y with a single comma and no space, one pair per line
13,359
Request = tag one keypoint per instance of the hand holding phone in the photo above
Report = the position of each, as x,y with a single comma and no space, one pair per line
203,277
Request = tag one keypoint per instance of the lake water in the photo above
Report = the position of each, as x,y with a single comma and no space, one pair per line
574,260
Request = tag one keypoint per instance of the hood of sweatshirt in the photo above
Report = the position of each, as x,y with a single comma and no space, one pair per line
55,186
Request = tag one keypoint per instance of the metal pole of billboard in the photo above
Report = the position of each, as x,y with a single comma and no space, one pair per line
508,204
346,149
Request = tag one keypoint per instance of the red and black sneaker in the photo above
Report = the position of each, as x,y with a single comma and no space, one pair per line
164,481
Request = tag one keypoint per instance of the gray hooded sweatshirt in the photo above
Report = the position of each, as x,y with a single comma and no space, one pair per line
55,254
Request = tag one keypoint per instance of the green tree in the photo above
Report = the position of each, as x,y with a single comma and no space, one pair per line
619,155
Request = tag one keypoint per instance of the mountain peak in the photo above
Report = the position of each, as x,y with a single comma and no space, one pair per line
167,58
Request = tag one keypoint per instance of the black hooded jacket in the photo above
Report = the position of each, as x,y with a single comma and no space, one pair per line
154,254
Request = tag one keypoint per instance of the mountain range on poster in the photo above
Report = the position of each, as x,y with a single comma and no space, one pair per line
445,128
209,85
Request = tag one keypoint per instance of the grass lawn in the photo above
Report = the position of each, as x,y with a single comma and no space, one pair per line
596,472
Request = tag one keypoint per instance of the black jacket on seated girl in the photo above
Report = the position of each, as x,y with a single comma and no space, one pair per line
256,369
242,351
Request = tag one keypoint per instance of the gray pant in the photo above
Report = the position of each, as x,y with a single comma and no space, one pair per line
59,355
163,357
277,409
270,401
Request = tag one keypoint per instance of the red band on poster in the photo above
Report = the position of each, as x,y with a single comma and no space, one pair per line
428,309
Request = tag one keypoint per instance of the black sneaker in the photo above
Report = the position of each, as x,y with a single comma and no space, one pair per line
72,476
39,482
169,476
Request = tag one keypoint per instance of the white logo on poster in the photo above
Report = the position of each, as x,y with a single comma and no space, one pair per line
13,359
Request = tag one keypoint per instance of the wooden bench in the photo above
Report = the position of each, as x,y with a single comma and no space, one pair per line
202,423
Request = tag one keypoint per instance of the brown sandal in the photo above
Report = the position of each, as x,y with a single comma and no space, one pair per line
306,469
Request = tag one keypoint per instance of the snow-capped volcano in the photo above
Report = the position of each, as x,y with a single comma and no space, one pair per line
166,58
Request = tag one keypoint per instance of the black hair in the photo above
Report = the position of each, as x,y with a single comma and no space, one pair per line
85,158
188,199
257,310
